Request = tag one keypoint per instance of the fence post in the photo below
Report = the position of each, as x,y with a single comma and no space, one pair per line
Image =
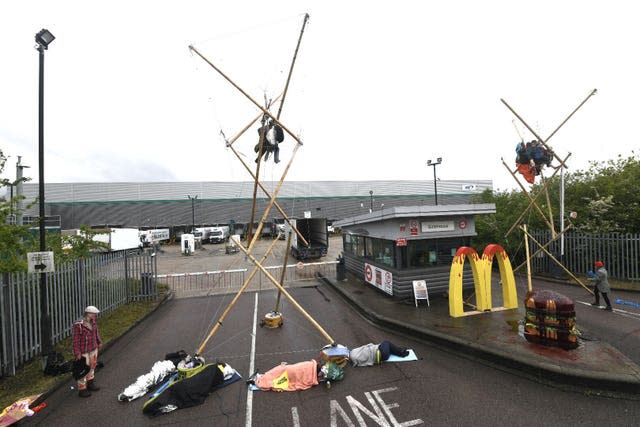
6,308
126,277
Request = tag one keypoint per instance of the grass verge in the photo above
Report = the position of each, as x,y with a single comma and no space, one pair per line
29,378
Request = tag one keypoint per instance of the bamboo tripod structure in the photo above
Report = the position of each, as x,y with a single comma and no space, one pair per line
544,190
251,240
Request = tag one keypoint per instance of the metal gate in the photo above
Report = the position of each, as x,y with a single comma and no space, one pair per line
203,283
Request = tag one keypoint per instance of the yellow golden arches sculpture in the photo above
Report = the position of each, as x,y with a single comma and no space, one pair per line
481,269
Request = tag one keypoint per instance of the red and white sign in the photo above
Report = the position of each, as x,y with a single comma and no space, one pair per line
462,224
413,227
381,279
368,273
401,242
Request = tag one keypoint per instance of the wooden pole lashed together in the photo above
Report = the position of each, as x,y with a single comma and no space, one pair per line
544,189
272,201
220,321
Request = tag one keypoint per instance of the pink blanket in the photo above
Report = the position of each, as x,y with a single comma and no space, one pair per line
299,376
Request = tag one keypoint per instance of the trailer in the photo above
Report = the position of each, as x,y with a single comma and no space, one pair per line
154,236
314,231
118,239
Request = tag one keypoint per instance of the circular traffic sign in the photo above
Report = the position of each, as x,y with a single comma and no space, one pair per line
368,274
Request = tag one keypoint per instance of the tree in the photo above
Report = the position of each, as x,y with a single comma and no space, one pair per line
16,241
604,196
13,255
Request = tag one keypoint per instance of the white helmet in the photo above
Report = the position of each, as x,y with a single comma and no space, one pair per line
91,309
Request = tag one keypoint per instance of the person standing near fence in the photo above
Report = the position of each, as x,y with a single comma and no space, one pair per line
86,342
601,285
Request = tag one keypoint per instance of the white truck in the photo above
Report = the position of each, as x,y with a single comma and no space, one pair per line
155,236
315,233
219,234
119,239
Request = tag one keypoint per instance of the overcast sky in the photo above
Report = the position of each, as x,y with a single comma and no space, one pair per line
378,88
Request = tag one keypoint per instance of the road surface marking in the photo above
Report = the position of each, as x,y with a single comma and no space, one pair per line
252,359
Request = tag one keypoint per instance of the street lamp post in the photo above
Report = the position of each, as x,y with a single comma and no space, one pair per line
435,185
43,39
371,201
193,212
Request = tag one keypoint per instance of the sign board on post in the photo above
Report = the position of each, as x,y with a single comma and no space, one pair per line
420,291
40,262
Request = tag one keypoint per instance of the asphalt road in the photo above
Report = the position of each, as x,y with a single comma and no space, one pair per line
441,388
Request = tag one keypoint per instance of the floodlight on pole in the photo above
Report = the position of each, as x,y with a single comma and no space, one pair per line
435,185
43,39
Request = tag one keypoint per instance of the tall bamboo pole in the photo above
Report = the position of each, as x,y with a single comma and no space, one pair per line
273,197
263,135
266,192
537,251
255,185
293,62
526,248
544,142
552,228
284,271
288,295
593,92
515,224
218,324
253,101
531,200
557,262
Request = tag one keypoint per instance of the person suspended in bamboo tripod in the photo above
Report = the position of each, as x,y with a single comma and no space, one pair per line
86,342
270,135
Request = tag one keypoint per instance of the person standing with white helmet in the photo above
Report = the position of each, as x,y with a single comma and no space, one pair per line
86,342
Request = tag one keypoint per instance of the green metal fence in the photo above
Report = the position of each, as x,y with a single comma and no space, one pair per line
620,253
107,281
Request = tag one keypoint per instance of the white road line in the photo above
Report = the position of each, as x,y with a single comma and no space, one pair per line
619,311
294,417
252,359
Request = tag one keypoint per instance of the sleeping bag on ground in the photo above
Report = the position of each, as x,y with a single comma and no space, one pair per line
284,377
186,392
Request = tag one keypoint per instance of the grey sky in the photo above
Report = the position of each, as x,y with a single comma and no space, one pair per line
378,88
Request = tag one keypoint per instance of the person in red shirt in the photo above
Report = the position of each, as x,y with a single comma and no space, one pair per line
86,342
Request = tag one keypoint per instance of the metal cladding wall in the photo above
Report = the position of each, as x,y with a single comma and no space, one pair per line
154,204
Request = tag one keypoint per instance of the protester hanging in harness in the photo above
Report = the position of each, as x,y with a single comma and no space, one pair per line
531,158
270,135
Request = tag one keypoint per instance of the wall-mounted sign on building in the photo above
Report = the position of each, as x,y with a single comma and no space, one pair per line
436,226
381,279
401,241
413,227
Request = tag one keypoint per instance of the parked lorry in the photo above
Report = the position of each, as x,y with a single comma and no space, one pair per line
118,239
219,234
314,231
154,236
